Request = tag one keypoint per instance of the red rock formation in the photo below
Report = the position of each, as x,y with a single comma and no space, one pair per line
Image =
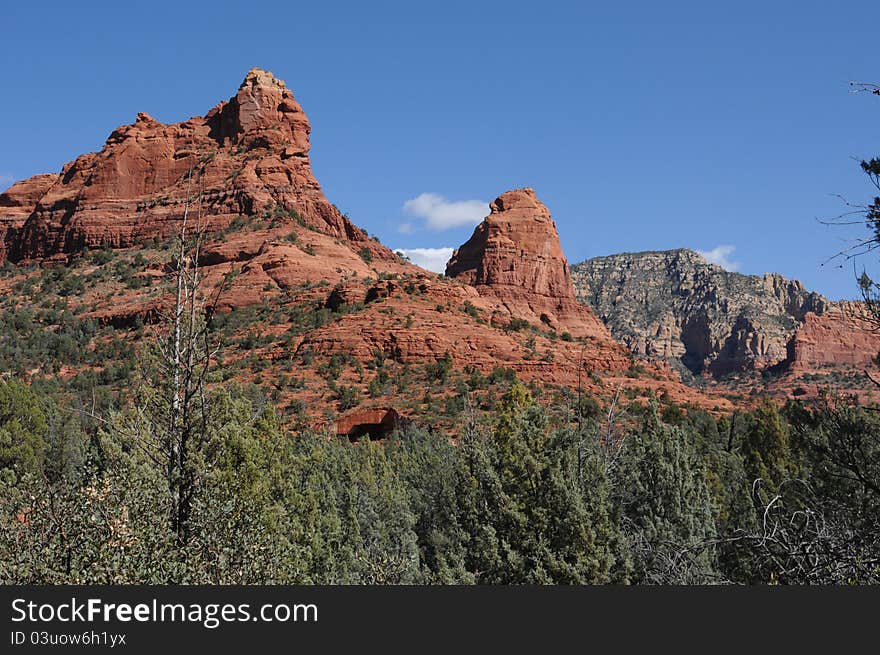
248,157
842,336
17,203
514,255
375,422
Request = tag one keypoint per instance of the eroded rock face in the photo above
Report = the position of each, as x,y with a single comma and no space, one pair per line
516,246
845,335
677,306
17,203
514,255
416,332
375,422
247,157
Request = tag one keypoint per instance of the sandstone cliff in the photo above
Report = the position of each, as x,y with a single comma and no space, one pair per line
245,156
515,256
844,336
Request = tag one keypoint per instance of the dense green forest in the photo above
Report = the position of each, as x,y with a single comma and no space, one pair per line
667,496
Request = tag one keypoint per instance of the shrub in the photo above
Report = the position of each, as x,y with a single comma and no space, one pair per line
366,255
348,397
502,374
470,309
439,370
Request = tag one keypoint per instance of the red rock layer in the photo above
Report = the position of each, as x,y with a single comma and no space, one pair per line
514,255
17,203
246,157
845,335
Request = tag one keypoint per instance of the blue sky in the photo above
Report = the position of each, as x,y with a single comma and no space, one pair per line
724,127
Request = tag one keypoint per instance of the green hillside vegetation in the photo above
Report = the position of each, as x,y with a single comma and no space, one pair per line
765,497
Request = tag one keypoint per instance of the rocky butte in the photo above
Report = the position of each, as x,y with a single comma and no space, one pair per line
515,256
247,155
510,275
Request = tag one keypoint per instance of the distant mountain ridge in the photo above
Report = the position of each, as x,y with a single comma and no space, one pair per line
677,306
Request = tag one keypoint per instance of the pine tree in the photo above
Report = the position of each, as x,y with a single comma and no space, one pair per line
664,506
23,430
765,448
546,532
436,475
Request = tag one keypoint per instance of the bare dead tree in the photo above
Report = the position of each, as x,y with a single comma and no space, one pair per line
672,562
172,409
610,443
799,541
865,87
866,215
580,394
185,361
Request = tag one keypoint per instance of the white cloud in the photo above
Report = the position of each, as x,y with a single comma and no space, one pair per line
6,180
442,214
720,255
405,228
433,259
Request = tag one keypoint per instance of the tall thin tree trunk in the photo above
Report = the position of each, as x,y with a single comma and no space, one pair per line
176,421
